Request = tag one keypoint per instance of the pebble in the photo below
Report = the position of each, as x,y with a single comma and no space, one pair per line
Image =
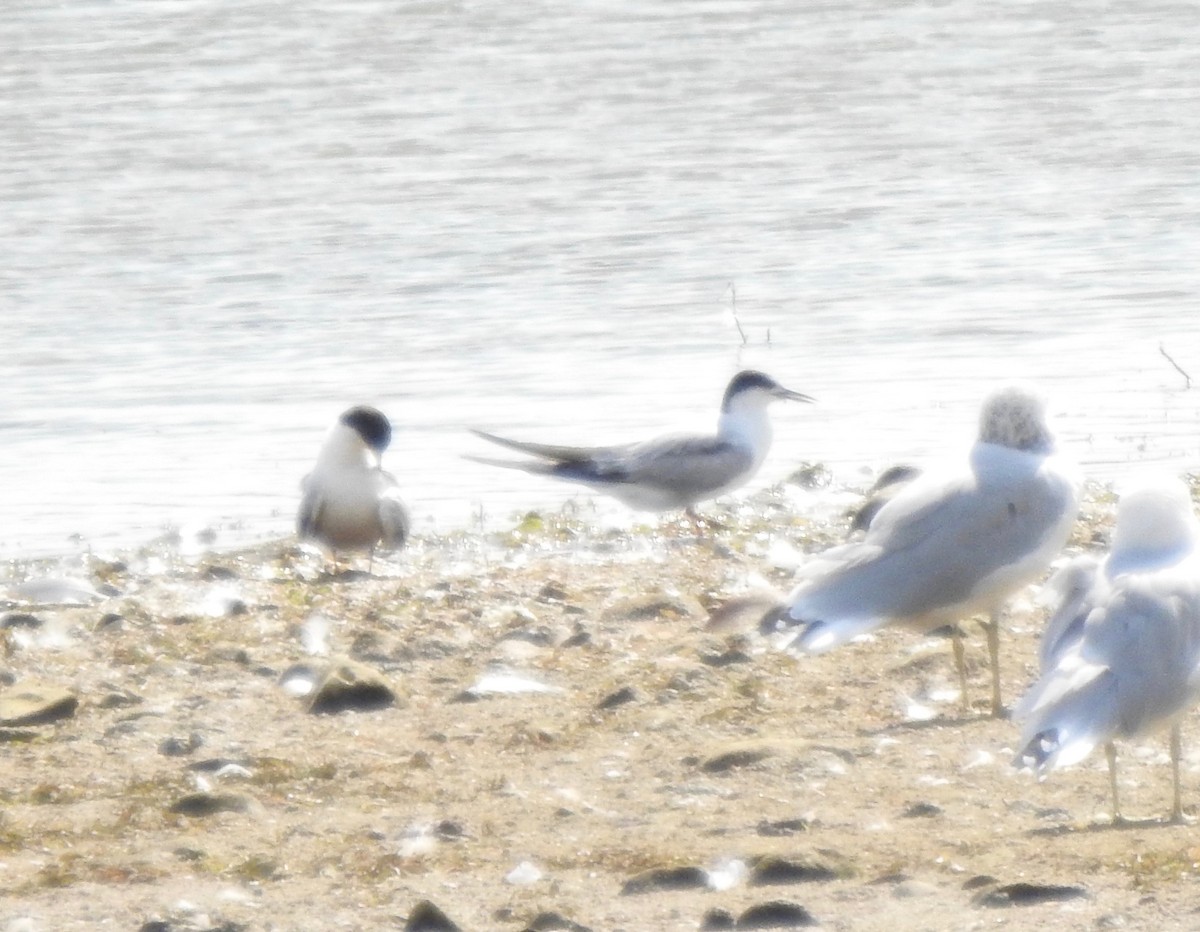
665,878
554,922
1026,894
427,917
620,697
176,746
350,686
31,703
200,805
57,591
914,889
776,914
769,871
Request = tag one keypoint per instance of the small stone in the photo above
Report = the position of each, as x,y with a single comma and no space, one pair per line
913,889
1027,894
449,830
63,591
922,811
426,917
652,607
783,827
717,920
665,878
200,805
620,697
31,703
19,620
110,621
554,922
725,658
777,914
734,759
350,686
181,747
770,871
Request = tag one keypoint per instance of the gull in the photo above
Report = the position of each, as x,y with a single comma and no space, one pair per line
675,471
947,545
349,502
1121,658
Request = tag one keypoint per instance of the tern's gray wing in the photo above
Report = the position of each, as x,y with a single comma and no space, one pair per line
667,472
562,454
393,516
663,474
939,547
309,516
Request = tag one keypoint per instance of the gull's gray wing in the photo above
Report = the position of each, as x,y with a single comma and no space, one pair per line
1073,591
1134,667
941,546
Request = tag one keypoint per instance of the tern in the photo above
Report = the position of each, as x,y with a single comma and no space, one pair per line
674,471
349,502
1120,657
948,545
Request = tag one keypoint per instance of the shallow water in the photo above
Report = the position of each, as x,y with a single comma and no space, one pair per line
223,223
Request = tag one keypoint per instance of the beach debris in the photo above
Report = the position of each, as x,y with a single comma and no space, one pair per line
314,635
222,602
506,683
32,703
300,679
727,874
523,874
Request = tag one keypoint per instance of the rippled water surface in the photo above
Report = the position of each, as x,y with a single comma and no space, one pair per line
221,223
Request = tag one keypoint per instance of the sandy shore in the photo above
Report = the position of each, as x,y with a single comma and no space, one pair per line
567,745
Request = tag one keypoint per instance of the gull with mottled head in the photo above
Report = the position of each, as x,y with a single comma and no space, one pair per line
670,472
349,502
948,545
1121,656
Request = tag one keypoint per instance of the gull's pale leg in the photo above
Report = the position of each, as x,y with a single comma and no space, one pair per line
1176,753
992,627
960,664
1110,752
